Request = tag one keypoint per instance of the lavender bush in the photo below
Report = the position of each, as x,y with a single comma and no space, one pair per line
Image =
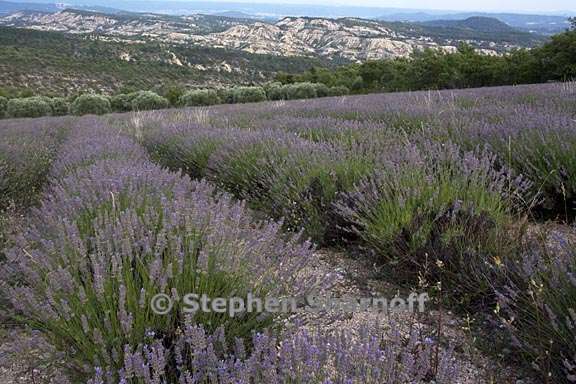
113,230
242,165
287,177
537,307
306,184
540,146
298,357
26,153
435,213
185,148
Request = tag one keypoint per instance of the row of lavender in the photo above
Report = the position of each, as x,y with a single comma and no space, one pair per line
113,230
530,128
26,154
436,185
415,202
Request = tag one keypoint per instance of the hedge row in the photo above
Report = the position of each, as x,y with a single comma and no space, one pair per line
93,104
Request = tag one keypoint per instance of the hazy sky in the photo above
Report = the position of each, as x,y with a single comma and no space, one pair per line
489,5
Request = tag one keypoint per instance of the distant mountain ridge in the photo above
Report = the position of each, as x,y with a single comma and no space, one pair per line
7,7
542,24
475,23
537,23
349,39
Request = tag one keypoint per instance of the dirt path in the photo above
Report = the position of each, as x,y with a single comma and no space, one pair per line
360,278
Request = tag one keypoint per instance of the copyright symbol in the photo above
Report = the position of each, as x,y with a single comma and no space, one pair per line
161,304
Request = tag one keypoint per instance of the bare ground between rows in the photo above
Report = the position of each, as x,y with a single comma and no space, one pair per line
360,277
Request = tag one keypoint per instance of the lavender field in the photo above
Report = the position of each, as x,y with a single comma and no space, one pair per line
466,195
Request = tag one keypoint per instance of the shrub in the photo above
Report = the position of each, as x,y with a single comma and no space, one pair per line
138,230
301,91
278,93
322,90
188,150
248,94
540,146
440,214
199,98
270,86
226,95
372,357
91,104
338,91
173,94
305,185
241,167
3,106
278,173
537,306
148,100
26,153
28,107
60,106
121,103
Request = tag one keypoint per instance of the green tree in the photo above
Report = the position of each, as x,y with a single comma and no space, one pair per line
199,97
558,57
3,106
521,66
148,100
90,104
173,93
248,94
28,107
371,73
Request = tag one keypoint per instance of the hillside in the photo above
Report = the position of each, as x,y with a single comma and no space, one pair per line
476,23
54,62
125,25
334,39
538,24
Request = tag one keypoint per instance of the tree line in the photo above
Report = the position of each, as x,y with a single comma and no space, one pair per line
465,68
